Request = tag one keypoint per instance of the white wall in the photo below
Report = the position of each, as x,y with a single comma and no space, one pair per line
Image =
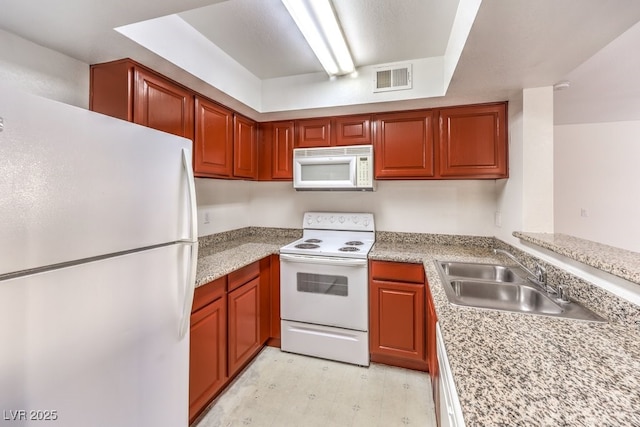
42,71
223,205
593,166
447,207
525,200
597,176
509,191
537,160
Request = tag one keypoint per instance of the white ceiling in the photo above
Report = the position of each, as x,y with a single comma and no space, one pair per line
261,35
513,44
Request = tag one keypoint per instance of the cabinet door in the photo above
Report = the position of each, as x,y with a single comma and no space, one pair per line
265,299
314,133
282,150
397,319
404,145
208,356
473,141
245,148
244,324
275,301
159,104
353,130
213,146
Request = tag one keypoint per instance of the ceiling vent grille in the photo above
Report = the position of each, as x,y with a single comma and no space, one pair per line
393,77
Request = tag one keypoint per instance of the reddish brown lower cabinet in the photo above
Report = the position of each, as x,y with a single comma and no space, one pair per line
265,299
274,314
244,324
231,320
398,315
208,348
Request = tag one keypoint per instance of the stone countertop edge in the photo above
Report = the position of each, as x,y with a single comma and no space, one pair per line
509,368
218,259
520,369
619,262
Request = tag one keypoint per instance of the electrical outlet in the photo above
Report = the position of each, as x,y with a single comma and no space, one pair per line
498,219
207,220
584,213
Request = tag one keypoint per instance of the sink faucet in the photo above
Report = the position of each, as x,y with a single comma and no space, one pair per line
539,277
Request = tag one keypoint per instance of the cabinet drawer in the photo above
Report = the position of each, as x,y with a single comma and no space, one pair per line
397,271
210,292
240,277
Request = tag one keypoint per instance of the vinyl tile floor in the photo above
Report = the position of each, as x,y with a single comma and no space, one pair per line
282,389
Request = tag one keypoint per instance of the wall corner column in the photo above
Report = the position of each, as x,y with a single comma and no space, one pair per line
537,182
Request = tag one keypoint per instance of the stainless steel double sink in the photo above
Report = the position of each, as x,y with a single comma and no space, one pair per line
506,288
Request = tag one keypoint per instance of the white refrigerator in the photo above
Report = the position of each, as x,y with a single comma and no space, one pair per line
98,248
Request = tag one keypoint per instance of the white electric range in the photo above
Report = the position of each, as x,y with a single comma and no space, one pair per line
324,287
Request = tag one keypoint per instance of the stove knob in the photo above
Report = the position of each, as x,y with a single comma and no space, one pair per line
309,220
341,219
332,219
355,219
318,218
366,222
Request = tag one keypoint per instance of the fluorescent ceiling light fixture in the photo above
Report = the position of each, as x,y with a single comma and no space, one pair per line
319,25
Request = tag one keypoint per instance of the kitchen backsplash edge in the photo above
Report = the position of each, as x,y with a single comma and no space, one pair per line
592,296
240,233
619,262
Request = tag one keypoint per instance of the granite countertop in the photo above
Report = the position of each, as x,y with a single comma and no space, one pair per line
518,369
616,261
509,368
217,259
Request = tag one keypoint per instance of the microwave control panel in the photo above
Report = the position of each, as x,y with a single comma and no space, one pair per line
365,172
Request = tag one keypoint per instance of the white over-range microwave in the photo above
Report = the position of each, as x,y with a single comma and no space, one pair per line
334,168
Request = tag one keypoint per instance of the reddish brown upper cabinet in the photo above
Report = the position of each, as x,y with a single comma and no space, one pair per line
129,91
245,148
397,314
404,146
313,133
208,345
473,141
276,154
243,302
353,130
213,145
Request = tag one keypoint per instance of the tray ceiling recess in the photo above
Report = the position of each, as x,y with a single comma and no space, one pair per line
253,51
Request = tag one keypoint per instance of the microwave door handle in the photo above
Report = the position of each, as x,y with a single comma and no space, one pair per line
324,261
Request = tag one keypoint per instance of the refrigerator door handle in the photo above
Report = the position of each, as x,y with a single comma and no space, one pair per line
193,209
185,319
193,242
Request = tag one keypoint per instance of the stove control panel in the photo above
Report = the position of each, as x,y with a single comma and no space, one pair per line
338,221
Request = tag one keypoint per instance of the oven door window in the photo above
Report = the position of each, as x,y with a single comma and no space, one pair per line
324,284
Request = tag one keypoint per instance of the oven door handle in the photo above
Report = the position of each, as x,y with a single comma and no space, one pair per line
324,260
